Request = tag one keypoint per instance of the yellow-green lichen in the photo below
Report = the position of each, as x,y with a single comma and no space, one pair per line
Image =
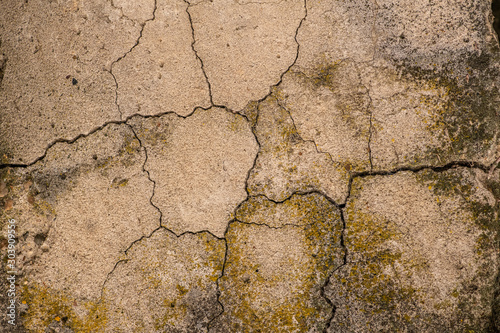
277,262
467,115
46,305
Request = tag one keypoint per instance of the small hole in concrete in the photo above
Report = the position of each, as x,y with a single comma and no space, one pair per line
495,6
39,239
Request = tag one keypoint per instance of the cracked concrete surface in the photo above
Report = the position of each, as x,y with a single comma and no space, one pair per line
199,165
170,279
162,70
251,166
412,266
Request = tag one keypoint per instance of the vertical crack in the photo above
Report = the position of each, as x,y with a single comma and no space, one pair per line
147,172
344,262
296,54
202,65
370,132
150,201
217,282
143,25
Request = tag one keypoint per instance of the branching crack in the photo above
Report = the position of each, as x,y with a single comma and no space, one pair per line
319,151
147,172
147,237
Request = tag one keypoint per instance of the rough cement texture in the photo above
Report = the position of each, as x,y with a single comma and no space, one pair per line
170,279
250,166
161,72
199,165
416,243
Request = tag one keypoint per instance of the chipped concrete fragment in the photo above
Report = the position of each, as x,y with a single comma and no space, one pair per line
199,164
162,72
245,45
287,164
422,254
166,283
278,258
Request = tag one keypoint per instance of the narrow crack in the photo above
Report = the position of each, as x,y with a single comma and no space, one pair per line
294,60
217,282
334,308
116,93
202,65
143,25
297,53
370,129
147,172
273,227
60,140
319,151
96,129
124,260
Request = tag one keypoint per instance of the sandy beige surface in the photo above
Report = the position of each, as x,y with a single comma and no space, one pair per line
249,166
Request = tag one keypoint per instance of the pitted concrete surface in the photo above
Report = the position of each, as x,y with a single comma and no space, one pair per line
250,166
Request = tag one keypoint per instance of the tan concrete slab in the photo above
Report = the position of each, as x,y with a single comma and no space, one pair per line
279,257
271,166
200,165
422,253
287,164
162,73
245,45
165,281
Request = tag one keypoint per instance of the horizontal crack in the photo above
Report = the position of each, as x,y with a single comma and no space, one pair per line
96,129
